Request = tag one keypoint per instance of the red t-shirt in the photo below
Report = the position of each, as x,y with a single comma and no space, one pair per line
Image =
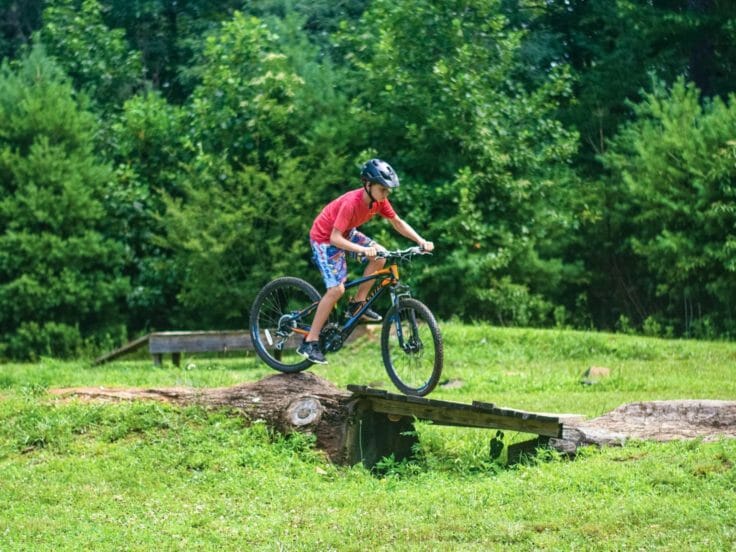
345,213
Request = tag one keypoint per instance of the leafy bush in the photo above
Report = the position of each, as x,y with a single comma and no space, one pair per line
32,340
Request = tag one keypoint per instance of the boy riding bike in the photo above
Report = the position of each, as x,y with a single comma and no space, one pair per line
334,232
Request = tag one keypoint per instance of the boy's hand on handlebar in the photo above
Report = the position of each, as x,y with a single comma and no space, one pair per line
374,250
426,246
371,251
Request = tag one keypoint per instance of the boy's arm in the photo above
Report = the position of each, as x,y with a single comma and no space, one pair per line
403,228
338,240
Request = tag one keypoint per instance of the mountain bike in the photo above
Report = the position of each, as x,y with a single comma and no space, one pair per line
411,344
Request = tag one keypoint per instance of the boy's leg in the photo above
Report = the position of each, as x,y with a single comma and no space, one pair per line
373,264
331,263
326,304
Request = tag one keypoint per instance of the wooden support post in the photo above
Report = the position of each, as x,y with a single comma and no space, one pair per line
374,435
515,451
176,358
157,359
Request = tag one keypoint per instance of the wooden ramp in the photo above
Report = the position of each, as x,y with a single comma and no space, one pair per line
385,421
476,414
176,343
124,350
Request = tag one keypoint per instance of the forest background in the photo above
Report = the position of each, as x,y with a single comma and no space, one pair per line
574,161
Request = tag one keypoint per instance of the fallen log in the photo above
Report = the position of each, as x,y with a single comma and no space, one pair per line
286,402
651,421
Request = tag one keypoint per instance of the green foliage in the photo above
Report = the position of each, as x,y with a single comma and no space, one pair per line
19,20
50,339
96,58
57,268
515,126
229,239
168,36
244,105
676,162
145,144
262,150
612,47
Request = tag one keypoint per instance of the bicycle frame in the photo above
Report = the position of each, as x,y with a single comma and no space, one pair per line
389,280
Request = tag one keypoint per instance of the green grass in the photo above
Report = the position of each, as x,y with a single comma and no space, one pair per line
144,476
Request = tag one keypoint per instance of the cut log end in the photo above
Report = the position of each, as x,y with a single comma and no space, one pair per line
304,411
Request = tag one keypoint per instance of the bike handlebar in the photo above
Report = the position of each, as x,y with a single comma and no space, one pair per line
402,254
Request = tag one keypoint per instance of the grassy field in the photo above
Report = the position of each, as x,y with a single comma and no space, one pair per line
144,476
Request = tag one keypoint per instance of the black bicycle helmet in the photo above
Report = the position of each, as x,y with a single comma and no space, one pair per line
379,172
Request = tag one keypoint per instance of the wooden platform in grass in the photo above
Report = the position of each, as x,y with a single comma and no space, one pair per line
476,414
176,343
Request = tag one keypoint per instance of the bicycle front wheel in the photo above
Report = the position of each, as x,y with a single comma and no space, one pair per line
278,322
411,345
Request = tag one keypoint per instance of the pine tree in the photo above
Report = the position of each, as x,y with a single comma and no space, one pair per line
674,167
60,276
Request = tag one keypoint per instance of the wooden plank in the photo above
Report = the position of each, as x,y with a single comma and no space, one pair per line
198,342
368,392
451,415
127,348
477,414
365,391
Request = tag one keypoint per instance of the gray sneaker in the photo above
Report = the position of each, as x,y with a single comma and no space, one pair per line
311,351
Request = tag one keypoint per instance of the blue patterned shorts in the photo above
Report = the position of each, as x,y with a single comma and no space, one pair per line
331,260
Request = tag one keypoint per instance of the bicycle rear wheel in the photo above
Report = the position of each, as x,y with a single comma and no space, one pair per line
411,346
276,326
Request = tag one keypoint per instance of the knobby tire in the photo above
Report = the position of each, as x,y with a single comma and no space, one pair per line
414,369
278,298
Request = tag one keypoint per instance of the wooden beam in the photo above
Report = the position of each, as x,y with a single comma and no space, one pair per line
125,349
199,342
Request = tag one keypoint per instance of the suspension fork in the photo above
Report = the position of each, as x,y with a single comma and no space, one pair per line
397,292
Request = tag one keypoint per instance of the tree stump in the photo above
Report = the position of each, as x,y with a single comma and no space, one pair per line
345,427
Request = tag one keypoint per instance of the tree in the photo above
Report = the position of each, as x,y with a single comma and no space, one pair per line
18,20
675,164
60,277
145,147
613,47
98,59
484,162
253,175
